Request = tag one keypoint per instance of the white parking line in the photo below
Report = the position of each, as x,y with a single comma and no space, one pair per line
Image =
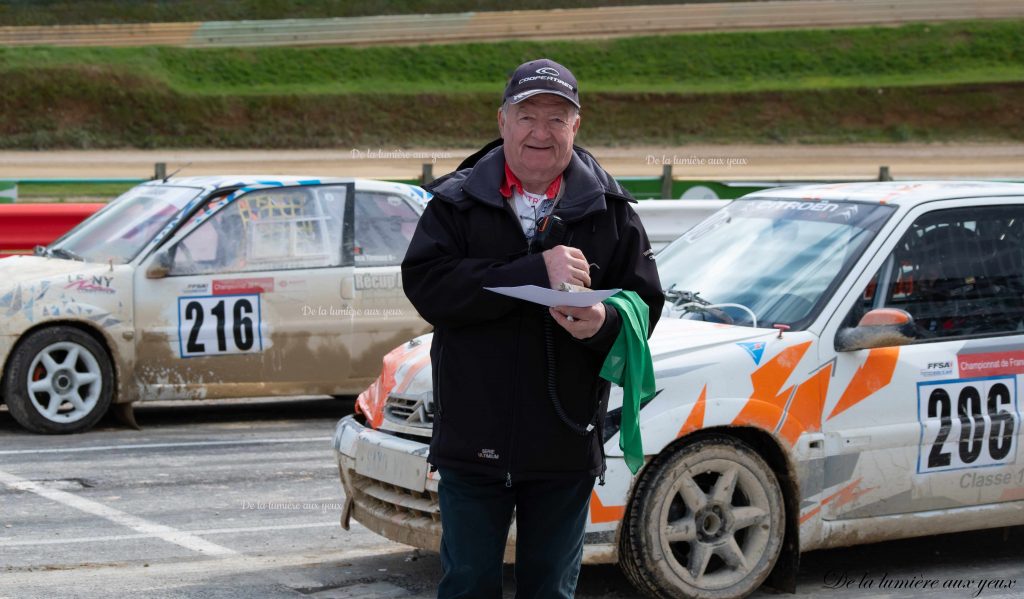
181,571
166,533
215,531
163,445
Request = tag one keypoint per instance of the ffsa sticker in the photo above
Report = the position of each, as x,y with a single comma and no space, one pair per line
219,325
967,423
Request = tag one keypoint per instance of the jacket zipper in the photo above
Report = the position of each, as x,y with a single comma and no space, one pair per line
515,369
437,401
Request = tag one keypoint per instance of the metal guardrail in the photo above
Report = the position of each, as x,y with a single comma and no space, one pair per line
614,21
642,188
24,226
667,219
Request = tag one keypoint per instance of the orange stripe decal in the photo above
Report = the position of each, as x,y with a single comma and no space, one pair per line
417,366
804,412
370,402
842,497
766,402
875,374
1012,494
601,513
695,421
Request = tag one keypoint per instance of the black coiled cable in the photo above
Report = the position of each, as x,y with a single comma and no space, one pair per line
549,348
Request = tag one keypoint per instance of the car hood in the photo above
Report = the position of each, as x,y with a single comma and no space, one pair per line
674,336
408,368
17,270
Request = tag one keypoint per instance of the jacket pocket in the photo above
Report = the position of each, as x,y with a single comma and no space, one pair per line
475,394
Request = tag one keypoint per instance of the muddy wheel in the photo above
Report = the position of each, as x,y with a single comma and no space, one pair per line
707,521
58,380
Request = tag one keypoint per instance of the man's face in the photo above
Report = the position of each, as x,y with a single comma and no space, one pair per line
538,134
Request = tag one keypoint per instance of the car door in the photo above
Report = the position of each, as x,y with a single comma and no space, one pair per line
934,424
384,317
253,298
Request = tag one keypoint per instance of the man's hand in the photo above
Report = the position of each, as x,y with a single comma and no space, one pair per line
584,323
566,265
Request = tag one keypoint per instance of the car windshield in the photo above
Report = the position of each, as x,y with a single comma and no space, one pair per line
766,260
121,229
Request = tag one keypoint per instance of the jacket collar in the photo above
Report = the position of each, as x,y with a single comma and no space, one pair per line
585,184
512,183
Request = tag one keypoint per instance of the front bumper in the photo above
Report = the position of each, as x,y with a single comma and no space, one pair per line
390,490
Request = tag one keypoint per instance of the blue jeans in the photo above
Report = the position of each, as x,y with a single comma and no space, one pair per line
476,513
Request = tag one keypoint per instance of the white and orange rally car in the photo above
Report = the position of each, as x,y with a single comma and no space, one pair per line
844,366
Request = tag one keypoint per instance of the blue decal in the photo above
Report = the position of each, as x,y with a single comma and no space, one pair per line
755,349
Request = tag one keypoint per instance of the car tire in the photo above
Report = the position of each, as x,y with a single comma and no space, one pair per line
707,521
58,380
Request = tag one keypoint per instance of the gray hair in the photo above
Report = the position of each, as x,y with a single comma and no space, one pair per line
506,104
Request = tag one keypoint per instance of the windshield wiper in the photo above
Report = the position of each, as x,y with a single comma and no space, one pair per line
63,253
690,301
678,298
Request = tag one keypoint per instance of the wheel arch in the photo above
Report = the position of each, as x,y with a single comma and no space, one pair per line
772,450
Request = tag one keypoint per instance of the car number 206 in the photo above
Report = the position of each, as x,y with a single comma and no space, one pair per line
967,423
219,325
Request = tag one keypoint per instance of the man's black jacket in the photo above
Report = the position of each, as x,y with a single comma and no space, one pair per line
492,411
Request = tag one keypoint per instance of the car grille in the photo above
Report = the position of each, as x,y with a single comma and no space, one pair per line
408,411
398,502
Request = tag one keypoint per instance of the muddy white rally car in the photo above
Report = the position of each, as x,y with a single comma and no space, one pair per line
208,287
837,365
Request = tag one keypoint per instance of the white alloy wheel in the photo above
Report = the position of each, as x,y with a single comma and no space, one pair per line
64,382
58,380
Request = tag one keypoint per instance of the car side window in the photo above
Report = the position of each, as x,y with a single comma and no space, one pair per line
384,226
959,273
269,229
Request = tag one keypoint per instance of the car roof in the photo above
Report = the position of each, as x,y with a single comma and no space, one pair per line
902,193
210,183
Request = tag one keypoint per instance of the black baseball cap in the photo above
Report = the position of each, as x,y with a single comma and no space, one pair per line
542,76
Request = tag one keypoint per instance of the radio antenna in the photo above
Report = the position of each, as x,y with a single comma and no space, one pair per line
167,178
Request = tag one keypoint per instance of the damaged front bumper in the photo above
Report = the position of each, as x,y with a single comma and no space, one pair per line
388,485
390,490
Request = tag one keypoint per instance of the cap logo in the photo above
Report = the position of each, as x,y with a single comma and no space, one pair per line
548,71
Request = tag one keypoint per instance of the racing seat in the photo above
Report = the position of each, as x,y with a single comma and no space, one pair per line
946,297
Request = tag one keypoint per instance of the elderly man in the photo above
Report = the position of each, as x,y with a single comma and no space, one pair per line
518,404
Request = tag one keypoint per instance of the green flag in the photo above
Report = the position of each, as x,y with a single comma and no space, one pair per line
630,366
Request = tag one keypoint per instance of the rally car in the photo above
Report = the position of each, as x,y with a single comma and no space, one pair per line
844,367
208,287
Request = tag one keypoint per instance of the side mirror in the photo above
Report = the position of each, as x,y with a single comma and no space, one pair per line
884,327
160,267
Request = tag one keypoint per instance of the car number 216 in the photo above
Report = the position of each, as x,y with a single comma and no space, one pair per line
219,325
968,423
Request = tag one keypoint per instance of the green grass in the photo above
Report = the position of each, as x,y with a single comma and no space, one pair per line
960,52
64,191
69,12
952,81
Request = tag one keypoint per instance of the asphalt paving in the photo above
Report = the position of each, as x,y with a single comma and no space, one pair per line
241,499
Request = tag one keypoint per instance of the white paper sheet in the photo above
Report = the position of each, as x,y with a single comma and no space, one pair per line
551,297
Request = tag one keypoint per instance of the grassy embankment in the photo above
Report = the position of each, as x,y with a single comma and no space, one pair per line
941,82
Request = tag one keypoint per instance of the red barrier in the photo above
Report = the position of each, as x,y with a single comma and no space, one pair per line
24,226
